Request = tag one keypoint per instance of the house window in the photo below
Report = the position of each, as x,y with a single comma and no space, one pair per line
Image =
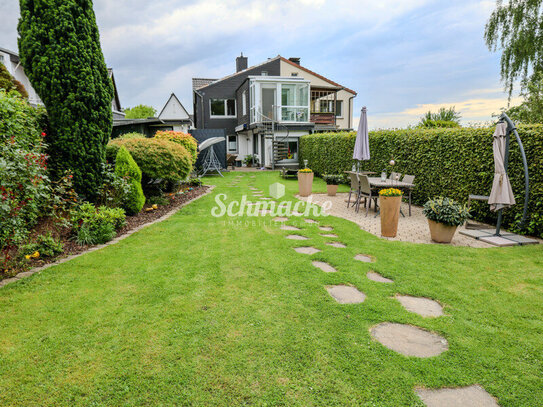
295,102
1,58
223,107
232,144
339,108
264,73
294,74
244,103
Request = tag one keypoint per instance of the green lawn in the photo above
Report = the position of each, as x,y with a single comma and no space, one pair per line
200,311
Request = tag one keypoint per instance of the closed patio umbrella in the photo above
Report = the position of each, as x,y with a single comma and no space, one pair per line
501,195
362,143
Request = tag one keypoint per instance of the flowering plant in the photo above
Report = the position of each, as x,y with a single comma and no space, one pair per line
305,170
390,192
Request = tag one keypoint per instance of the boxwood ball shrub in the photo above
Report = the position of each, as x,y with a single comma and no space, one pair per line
126,167
454,162
157,159
184,139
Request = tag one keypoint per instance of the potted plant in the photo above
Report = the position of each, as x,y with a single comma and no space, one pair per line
305,181
390,200
444,216
248,160
332,182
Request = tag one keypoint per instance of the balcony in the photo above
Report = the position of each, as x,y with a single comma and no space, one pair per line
323,118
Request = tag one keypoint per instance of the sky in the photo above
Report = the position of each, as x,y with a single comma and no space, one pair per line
402,57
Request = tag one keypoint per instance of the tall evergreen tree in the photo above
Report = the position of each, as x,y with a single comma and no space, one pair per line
59,46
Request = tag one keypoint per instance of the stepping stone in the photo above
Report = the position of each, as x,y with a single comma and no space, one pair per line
373,276
336,244
363,258
310,221
265,211
409,340
288,227
306,250
458,397
345,294
328,235
297,237
324,266
326,228
422,306
280,219
266,199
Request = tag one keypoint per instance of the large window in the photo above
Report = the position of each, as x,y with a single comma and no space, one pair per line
295,102
223,107
327,106
244,103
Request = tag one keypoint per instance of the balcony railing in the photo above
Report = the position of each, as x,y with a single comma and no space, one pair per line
323,118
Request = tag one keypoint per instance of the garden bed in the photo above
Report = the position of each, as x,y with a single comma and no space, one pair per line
71,247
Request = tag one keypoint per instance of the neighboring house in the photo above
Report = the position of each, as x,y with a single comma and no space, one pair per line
12,62
266,108
173,116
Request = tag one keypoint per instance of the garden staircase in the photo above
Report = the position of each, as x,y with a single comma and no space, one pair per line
268,128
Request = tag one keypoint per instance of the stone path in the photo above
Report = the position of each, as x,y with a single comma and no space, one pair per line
372,275
324,266
297,237
409,340
363,258
306,250
405,339
345,294
474,396
422,306
280,219
337,245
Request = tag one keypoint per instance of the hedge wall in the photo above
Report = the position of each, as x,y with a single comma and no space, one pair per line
446,162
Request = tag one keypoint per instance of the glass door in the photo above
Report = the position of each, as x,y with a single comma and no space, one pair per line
268,102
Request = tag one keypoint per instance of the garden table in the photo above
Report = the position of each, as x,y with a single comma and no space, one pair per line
377,183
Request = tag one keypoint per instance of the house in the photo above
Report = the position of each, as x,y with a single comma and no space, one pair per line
266,108
173,116
12,62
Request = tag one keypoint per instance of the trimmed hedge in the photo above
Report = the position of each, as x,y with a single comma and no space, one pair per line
125,166
157,159
446,162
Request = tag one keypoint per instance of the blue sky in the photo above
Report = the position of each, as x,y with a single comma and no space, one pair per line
403,57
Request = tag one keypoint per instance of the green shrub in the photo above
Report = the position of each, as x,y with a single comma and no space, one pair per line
92,225
9,83
126,167
59,46
128,136
114,189
157,159
46,245
184,139
453,162
24,185
446,211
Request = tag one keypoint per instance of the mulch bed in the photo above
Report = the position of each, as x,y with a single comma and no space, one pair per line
70,245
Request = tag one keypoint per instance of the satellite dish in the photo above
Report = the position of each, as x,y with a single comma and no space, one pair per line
211,161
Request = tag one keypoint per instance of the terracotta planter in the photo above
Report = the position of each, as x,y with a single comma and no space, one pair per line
331,189
305,183
390,214
440,232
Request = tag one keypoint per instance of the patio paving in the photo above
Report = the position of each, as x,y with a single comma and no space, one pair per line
412,229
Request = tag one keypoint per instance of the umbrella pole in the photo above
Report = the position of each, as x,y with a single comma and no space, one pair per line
511,128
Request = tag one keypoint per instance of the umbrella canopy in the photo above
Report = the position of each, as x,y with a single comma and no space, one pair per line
501,195
362,143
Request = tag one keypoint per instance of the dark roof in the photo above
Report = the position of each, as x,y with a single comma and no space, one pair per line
125,122
317,75
198,83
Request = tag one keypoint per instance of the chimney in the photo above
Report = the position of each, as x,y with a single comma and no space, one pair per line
241,63
295,60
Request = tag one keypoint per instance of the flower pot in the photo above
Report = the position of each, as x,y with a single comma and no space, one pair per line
440,232
331,189
390,214
305,183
